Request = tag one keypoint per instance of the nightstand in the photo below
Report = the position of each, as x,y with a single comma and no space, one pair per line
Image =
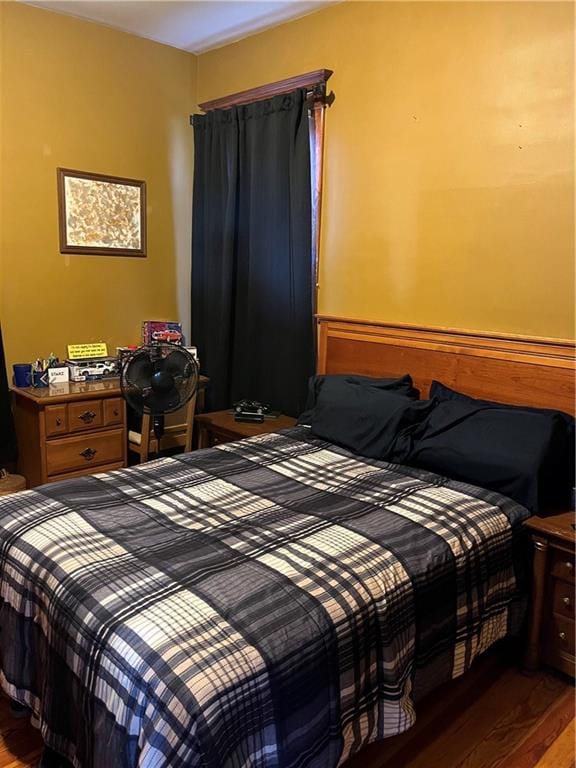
551,633
69,430
220,427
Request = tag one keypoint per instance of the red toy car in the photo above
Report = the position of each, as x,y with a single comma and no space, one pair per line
167,335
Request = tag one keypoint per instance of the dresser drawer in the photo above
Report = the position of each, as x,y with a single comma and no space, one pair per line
72,453
562,598
56,420
113,411
217,438
562,565
84,415
561,634
558,650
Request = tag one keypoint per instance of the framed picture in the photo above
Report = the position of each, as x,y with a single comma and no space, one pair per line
101,214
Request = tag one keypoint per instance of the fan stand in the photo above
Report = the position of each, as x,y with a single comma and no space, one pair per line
158,427
154,375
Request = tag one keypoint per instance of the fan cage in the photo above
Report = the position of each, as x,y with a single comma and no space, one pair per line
185,376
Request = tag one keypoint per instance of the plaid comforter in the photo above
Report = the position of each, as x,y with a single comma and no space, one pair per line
270,602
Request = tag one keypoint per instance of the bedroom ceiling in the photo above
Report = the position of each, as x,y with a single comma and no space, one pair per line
192,25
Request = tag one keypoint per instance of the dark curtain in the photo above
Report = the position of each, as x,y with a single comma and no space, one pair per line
251,252
7,432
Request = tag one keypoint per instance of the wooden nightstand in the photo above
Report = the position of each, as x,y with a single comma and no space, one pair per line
219,427
551,635
69,430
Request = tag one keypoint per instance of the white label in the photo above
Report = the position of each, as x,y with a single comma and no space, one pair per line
57,375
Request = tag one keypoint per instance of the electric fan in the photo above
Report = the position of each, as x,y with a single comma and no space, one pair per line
158,379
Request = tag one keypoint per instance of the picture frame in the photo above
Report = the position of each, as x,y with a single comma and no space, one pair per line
101,214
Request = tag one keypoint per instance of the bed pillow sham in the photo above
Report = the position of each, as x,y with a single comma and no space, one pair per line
521,453
560,466
369,421
440,391
402,385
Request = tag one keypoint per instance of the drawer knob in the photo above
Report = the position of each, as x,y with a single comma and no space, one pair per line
88,453
58,421
115,412
562,635
566,600
569,565
87,416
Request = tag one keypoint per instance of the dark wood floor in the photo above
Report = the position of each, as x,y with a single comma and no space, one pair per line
493,717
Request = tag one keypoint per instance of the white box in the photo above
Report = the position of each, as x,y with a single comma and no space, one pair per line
58,375
93,369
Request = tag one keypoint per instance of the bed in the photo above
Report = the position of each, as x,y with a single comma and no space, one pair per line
276,601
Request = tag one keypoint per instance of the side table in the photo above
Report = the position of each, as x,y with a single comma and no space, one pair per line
551,631
220,427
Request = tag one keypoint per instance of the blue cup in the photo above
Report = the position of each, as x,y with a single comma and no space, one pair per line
40,378
22,374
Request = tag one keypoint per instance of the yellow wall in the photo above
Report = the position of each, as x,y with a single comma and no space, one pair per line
449,164
80,95
449,157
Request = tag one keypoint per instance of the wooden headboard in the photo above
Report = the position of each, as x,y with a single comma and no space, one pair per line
509,369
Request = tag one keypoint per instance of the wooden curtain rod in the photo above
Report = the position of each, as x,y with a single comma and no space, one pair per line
309,80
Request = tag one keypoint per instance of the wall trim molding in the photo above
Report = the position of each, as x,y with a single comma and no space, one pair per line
564,350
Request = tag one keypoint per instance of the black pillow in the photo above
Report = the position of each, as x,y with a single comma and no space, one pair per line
440,391
401,385
370,421
560,464
523,453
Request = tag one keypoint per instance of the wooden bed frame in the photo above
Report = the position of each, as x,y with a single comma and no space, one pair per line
521,370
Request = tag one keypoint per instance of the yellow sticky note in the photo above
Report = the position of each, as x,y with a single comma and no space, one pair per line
82,351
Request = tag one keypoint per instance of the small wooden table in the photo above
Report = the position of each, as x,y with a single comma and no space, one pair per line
220,427
551,632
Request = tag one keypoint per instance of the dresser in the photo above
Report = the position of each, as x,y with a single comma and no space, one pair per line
551,631
69,430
